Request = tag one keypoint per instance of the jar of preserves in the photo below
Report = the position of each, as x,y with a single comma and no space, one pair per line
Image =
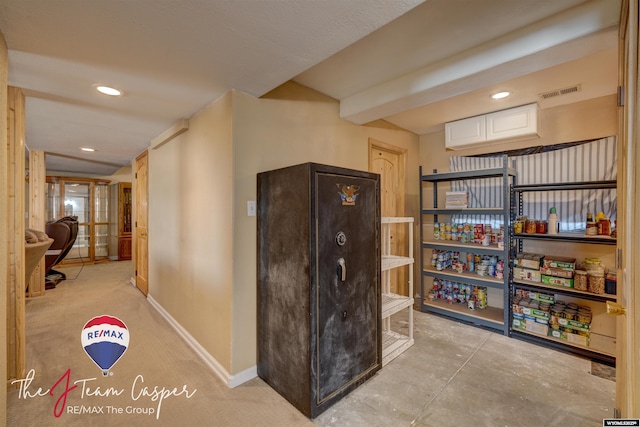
610,283
604,227
584,316
580,280
593,265
541,227
517,226
530,226
596,283
556,311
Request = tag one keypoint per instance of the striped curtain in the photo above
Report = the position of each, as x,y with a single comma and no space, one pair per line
591,161
483,193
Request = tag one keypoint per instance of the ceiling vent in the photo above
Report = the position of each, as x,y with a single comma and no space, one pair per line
559,92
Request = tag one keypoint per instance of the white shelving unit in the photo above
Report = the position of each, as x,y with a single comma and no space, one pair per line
394,342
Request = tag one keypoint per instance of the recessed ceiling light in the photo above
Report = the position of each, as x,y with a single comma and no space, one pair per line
500,95
87,149
108,90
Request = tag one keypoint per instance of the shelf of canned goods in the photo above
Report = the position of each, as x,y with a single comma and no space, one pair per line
558,301
463,243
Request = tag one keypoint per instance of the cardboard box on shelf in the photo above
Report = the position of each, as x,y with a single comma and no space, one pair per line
572,338
529,260
456,199
542,297
535,313
553,261
530,326
557,281
574,324
557,272
526,274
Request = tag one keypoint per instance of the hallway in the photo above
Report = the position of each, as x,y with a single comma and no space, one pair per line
454,374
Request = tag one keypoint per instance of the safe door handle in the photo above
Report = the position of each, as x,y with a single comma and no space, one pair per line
343,269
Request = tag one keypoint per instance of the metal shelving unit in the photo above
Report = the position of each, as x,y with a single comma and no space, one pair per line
394,342
602,348
491,317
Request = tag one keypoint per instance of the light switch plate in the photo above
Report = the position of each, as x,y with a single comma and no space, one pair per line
251,208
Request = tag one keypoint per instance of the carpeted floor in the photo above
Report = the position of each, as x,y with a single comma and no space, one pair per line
455,374
156,359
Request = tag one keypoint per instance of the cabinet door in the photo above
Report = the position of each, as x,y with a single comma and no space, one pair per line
124,248
512,123
465,132
347,281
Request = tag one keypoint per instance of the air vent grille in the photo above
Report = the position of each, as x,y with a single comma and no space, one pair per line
560,92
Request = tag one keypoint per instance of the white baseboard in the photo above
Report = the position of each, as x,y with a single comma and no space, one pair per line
113,257
132,280
230,380
242,377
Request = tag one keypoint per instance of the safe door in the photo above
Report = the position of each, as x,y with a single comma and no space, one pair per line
347,331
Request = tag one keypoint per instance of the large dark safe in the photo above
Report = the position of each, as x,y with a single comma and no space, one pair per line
319,302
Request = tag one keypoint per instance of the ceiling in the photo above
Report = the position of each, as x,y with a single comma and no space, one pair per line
414,63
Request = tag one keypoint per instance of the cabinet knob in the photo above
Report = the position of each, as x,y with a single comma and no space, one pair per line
615,309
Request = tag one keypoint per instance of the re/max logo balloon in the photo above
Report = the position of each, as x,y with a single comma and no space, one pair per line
105,339
105,333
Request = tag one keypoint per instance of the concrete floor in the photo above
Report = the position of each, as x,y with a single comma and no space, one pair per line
460,375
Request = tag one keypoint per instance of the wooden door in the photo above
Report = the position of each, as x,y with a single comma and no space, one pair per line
389,162
141,222
628,222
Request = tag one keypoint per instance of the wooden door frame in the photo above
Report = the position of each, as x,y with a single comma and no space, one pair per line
400,277
13,251
402,185
628,325
136,213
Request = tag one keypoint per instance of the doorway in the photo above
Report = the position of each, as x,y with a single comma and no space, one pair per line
390,162
141,222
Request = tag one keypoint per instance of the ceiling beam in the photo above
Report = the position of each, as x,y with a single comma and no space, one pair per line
517,53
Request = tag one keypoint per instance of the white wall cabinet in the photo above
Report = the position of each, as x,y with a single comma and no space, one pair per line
466,132
395,342
513,123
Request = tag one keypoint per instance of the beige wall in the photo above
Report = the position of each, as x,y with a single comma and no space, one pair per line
273,133
4,221
190,228
202,244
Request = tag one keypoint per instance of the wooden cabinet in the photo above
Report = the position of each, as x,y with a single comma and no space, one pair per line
121,208
88,200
